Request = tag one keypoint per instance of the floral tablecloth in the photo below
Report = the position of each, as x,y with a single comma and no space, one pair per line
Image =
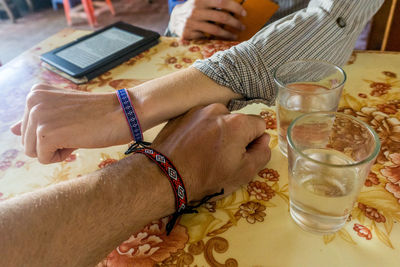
251,227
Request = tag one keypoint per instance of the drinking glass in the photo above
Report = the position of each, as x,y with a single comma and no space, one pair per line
330,155
305,86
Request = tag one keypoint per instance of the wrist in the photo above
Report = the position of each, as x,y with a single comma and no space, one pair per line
146,190
121,132
149,105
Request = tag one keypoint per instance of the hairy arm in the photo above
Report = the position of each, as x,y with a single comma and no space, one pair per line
77,223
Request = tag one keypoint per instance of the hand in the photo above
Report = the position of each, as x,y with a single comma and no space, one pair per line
214,149
194,18
57,121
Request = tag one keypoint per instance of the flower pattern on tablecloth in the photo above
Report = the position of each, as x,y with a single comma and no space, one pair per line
372,179
362,231
260,190
106,163
389,74
215,46
186,258
101,80
186,52
392,173
252,211
387,127
270,118
388,108
251,206
210,206
7,158
372,213
147,247
269,174
382,87
378,203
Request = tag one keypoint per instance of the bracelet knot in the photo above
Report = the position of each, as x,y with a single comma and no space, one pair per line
175,179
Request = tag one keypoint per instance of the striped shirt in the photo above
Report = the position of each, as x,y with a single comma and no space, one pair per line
318,29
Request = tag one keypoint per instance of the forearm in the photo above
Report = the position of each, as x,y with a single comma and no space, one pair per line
101,212
311,33
167,97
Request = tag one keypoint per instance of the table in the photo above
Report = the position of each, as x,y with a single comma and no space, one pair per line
251,227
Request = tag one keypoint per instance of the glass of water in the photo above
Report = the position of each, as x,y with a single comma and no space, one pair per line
330,155
305,86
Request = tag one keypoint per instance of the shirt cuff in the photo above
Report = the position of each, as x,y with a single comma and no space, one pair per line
242,75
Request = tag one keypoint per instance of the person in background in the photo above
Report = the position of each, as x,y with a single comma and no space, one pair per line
195,19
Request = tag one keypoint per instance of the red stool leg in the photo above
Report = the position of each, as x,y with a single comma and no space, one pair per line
66,11
110,6
90,5
88,12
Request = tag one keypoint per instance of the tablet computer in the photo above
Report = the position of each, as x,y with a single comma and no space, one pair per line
94,54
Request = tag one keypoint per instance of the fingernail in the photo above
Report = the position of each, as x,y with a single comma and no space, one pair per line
244,13
242,27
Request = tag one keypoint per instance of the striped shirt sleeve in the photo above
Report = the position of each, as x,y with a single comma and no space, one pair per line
316,32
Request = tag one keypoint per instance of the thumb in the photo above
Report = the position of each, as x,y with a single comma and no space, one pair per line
258,151
16,128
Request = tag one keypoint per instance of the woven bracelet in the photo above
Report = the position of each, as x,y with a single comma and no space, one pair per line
130,115
175,179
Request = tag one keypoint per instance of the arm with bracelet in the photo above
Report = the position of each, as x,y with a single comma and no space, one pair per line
78,222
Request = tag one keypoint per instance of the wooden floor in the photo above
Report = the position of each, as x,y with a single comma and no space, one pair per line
35,27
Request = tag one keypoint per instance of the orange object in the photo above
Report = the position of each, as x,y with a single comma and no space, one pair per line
89,9
258,13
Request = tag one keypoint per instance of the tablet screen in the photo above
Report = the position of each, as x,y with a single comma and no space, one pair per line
98,47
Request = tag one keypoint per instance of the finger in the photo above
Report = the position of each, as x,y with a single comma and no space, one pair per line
47,152
258,152
228,5
259,148
219,17
192,34
246,127
24,123
16,128
30,138
61,155
33,98
213,29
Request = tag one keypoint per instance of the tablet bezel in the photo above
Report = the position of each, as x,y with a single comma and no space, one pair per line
77,72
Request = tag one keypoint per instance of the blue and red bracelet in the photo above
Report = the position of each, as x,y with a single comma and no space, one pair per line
171,172
130,114
132,120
